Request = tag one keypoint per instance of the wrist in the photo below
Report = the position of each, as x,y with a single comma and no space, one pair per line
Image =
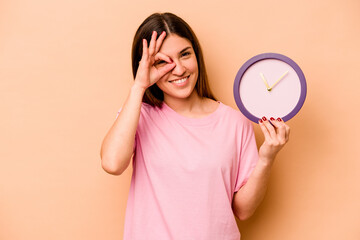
138,89
266,161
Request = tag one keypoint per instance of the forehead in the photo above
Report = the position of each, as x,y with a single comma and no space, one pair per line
173,44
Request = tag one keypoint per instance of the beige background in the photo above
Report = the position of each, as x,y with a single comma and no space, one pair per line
65,70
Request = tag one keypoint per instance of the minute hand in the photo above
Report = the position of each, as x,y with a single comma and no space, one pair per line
279,79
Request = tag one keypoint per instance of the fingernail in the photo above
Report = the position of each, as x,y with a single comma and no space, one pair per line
279,119
260,121
264,118
272,119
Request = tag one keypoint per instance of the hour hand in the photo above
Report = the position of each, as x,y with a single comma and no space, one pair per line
264,80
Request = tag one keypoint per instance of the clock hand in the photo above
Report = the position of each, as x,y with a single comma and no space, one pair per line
278,80
266,84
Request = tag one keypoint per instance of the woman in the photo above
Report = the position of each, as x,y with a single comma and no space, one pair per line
195,160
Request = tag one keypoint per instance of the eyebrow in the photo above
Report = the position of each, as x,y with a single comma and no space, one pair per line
184,49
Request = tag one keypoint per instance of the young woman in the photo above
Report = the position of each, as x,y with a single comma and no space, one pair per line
195,160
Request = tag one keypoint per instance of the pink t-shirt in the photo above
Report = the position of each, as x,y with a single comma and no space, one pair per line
185,173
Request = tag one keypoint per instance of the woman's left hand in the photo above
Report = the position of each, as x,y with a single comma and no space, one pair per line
276,136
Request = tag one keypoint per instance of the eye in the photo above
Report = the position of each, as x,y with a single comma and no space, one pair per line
160,62
185,54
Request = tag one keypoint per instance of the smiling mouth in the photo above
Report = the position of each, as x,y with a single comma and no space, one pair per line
180,80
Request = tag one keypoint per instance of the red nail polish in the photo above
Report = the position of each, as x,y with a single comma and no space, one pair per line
272,119
260,121
264,119
279,119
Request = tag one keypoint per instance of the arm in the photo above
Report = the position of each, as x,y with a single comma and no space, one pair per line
118,144
249,197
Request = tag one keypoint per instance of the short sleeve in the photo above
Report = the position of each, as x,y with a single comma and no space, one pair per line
117,115
248,155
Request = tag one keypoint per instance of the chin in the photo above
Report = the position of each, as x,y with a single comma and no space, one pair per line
181,95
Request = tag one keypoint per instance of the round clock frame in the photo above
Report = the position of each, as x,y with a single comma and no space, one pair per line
261,57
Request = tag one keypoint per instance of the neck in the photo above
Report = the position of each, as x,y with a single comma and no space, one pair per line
185,105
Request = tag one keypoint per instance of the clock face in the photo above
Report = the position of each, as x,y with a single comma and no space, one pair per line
270,85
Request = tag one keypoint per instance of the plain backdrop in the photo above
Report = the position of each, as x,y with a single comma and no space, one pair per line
65,70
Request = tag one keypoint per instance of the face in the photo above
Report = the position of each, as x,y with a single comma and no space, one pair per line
180,82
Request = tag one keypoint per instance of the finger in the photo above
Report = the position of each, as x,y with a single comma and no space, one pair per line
152,43
165,69
287,129
270,128
161,56
280,128
264,130
145,53
160,41
287,133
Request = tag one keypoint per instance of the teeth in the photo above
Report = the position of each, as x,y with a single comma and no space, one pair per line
180,80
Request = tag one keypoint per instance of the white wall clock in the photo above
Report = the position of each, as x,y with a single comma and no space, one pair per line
270,85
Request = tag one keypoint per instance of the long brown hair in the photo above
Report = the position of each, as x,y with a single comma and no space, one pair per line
171,24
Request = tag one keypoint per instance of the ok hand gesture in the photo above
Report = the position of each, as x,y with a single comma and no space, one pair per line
147,73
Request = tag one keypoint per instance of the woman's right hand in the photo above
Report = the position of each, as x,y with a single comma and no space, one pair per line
148,72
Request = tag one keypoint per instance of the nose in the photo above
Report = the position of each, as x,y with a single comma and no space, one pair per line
179,69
